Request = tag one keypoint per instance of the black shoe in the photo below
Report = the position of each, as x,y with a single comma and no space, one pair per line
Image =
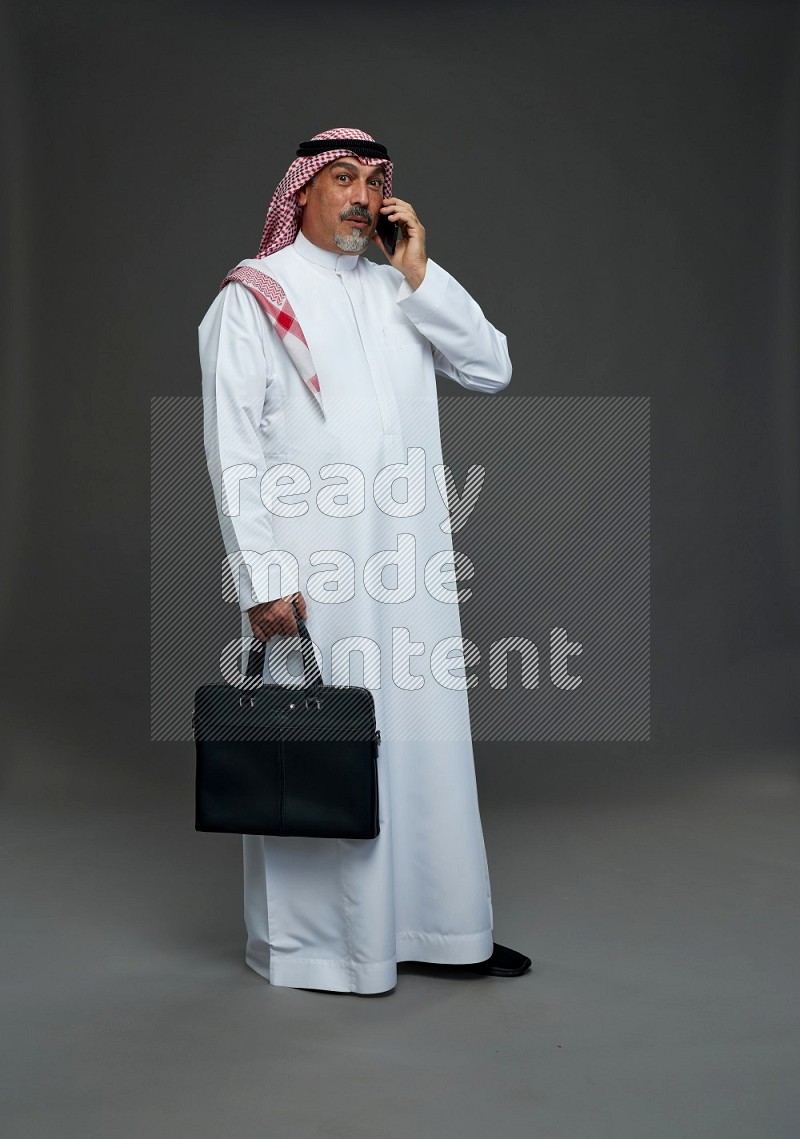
504,962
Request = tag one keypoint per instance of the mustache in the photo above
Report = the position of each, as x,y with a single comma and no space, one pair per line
356,212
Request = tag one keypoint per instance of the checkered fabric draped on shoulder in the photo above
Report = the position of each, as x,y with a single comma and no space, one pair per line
275,304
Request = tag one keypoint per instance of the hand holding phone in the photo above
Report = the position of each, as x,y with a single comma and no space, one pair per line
408,249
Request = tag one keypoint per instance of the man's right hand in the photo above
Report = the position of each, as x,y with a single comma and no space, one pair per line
276,618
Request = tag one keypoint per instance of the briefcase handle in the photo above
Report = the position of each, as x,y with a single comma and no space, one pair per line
255,657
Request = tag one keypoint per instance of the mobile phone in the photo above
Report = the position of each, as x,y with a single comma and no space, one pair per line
388,232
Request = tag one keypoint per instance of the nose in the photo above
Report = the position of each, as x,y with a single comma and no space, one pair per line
359,195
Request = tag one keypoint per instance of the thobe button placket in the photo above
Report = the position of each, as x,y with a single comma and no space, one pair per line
381,380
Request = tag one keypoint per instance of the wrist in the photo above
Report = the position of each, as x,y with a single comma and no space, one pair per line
416,276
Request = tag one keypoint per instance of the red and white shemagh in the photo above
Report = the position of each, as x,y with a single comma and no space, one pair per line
280,229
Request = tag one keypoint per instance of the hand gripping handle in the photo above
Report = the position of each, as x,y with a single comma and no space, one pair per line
312,677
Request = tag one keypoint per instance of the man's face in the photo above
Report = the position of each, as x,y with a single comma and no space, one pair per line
341,207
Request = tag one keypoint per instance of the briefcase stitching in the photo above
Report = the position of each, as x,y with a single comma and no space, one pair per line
283,784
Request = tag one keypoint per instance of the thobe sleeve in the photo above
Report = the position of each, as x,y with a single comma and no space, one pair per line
237,371
466,347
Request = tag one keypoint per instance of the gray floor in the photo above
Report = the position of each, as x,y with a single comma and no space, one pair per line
657,896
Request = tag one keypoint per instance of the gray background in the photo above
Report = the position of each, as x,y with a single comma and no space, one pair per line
617,185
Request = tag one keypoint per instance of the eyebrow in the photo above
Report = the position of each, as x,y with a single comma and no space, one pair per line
352,166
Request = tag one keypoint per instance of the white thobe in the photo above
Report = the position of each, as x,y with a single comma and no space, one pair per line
331,913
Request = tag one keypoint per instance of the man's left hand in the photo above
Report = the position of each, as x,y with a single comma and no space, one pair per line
409,255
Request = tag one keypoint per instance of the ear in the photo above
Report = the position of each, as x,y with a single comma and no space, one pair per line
302,193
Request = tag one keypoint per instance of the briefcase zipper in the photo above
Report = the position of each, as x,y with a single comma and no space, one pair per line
376,733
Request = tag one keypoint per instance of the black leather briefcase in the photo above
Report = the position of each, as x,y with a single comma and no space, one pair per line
296,761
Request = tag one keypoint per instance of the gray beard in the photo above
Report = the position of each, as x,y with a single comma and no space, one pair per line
354,243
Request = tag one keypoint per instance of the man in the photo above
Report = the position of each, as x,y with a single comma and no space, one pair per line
320,365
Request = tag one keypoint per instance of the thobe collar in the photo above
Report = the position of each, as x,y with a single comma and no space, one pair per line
340,262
